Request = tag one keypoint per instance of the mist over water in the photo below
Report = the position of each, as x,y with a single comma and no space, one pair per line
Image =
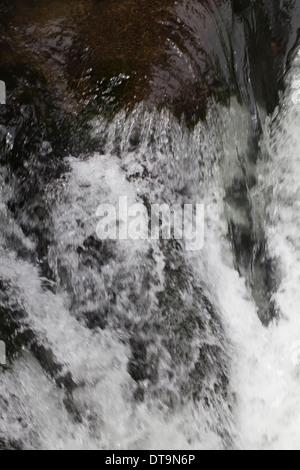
142,344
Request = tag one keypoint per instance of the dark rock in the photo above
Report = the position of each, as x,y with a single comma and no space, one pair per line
114,53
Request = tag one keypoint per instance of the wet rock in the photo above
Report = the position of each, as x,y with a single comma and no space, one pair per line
14,328
114,53
10,445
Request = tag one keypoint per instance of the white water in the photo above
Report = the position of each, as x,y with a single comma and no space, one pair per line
267,366
262,407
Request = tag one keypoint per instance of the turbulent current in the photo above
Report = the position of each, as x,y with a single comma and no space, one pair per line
142,344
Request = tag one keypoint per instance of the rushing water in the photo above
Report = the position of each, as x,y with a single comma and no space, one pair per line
142,344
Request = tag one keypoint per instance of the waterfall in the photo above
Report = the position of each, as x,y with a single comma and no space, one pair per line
143,344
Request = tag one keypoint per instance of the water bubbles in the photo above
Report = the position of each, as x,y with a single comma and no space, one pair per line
9,141
46,149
